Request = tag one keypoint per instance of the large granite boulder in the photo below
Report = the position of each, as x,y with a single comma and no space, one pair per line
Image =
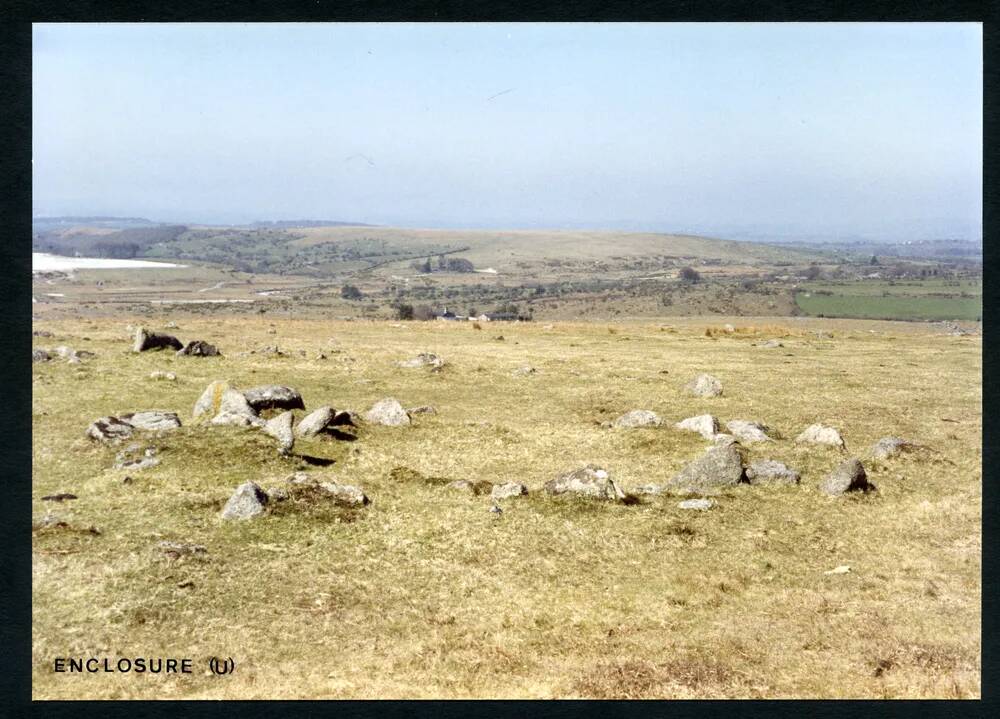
198,348
720,467
109,430
748,432
280,428
273,396
315,422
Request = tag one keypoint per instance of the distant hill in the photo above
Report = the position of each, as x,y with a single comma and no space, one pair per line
46,224
288,224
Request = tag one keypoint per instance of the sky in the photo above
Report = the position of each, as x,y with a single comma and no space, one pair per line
828,130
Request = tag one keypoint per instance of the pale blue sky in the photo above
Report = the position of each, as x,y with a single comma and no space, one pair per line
817,129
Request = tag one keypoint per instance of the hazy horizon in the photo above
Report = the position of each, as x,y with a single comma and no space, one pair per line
867,131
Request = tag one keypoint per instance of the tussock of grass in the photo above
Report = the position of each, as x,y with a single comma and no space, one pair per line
424,593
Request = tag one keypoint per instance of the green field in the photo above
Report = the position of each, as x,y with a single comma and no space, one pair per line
912,300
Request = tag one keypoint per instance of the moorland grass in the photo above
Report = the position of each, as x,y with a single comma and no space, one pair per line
425,594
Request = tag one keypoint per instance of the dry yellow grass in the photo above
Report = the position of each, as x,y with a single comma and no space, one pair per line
424,594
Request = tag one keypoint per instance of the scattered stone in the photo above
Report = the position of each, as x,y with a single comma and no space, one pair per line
848,477
61,497
588,481
198,348
345,418
235,410
273,397
637,418
507,490
153,420
476,487
729,328
248,501
424,359
388,412
160,374
524,371
422,409
818,434
768,471
748,432
842,569
40,355
724,439
315,422
720,467
176,550
704,385
770,344
300,478
41,333
109,430
344,494
648,489
890,447
699,504
280,428
704,424
146,340
278,494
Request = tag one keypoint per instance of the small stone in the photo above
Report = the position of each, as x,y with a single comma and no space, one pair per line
699,504
280,428
344,494
770,344
146,340
748,432
524,371
153,420
61,497
315,422
175,550
422,409
507,490
198,348
847,477
160,374
842,569
589,481
109,430
704,385
388,412
476,487
40,355
424,359
818,434
648,489
768,471
888,447
704,424
637,418
248,501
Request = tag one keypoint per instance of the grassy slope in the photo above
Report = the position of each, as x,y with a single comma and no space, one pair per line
500,249
422,594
